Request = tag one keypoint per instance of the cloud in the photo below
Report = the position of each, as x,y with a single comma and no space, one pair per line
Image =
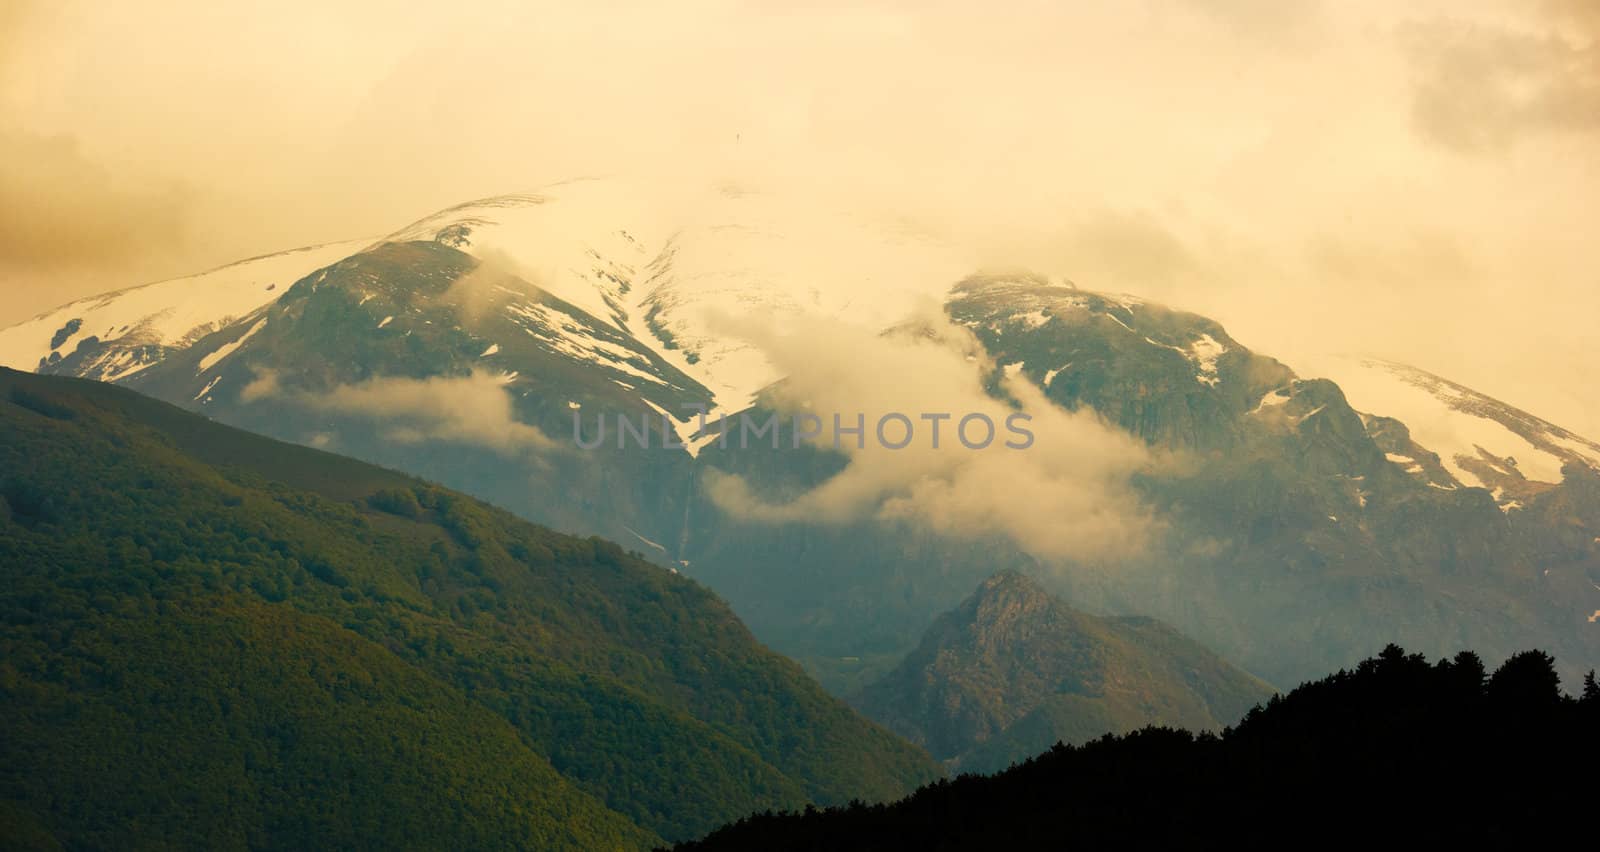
473,409
1280,23
263,385
1186,150
1580,17
60,208
1408,261
68,214
484,287
1483,87
1064,497
1129,250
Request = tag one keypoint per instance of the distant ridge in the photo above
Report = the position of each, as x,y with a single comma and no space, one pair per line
1013,670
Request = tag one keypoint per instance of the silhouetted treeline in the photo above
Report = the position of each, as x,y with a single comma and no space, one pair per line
1399,749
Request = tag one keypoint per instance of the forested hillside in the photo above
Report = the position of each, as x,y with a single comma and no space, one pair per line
208,635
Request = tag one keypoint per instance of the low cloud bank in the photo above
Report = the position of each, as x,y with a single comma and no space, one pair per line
1064,496
474,409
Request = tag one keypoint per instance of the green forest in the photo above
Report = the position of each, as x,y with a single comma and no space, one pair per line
213,639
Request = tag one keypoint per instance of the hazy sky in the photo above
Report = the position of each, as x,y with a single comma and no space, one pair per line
1414,180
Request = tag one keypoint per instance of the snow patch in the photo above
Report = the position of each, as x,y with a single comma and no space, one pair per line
1310,414
1113,318
647,541
1031,319
565,334
1204,352
1579,446
124,365
207,389
227,349
1399,459
1273,399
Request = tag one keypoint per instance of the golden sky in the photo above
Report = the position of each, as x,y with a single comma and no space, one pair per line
1412,180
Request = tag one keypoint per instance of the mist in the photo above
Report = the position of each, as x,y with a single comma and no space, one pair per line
1055,482
475,409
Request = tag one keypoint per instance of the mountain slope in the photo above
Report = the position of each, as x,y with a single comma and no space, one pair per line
1290,523
115,335
126,524
1390,749
418,356
1480,441
207,721
1301,527
1291,537
1013,670
673,275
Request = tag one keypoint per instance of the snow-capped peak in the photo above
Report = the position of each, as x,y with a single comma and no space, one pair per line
671,277
130,329
1481,441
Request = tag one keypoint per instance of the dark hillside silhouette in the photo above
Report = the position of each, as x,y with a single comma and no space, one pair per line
1399,749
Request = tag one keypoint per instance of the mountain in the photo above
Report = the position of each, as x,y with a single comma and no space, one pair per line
1290,521
1478,441
663,280
671,275
1390,749
1014,670
1301,522
115,335
414,355
1291,536
212,638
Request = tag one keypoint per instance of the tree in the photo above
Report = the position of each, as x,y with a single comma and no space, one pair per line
1529,676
